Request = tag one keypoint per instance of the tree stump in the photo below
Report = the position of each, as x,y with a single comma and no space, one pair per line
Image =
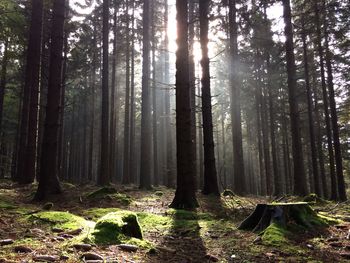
282,214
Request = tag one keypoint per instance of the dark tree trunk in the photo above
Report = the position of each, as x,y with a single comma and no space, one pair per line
334,117
210,175
300,186
317,184
104,176
185,195
27,146
238,163
49,183
146,135
334,192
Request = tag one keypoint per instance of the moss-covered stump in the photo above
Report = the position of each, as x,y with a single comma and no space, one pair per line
116,228
284,214
275,221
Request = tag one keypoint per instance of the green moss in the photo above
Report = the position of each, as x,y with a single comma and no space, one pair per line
96,213
63,220
115,228
102,192
180,214
274,235
121,198
6,205
150,221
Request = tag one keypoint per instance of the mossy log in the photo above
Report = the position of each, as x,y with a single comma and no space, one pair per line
282,214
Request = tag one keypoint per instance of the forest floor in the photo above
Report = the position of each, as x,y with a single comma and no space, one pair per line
208,234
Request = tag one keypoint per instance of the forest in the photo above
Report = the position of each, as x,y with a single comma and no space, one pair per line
174,131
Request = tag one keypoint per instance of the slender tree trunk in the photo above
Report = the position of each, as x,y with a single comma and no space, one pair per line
104,177
210,174
132,162
300,185
185,195
334,117
27,147
126,172
170,176
146,135
49,183
112,160
238,162
154,101
317,184
334,192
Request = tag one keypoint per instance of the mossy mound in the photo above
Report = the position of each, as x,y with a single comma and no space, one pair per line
62,220
115,228
6,205
275,221
102,192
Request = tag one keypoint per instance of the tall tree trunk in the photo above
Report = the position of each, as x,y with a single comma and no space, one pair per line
27,147
210,174
154,101
238,163
132,162
104,176
317,184
300,185
334,192
113,135
49,183
334,117
170,176
126,173
185,195
146,136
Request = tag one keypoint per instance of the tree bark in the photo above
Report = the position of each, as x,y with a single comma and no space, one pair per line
210,174
146,135
49,183
104,176
238,162
300,186
185,196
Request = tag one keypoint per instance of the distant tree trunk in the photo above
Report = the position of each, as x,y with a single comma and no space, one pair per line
27,146
92,108
200,140
170,176
223,138
146,136
132,162
334,117
126,172
210,174
317,184
300,186
154,101
185,195
49,183
104,177
334,192
113,135
4,63
238,162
